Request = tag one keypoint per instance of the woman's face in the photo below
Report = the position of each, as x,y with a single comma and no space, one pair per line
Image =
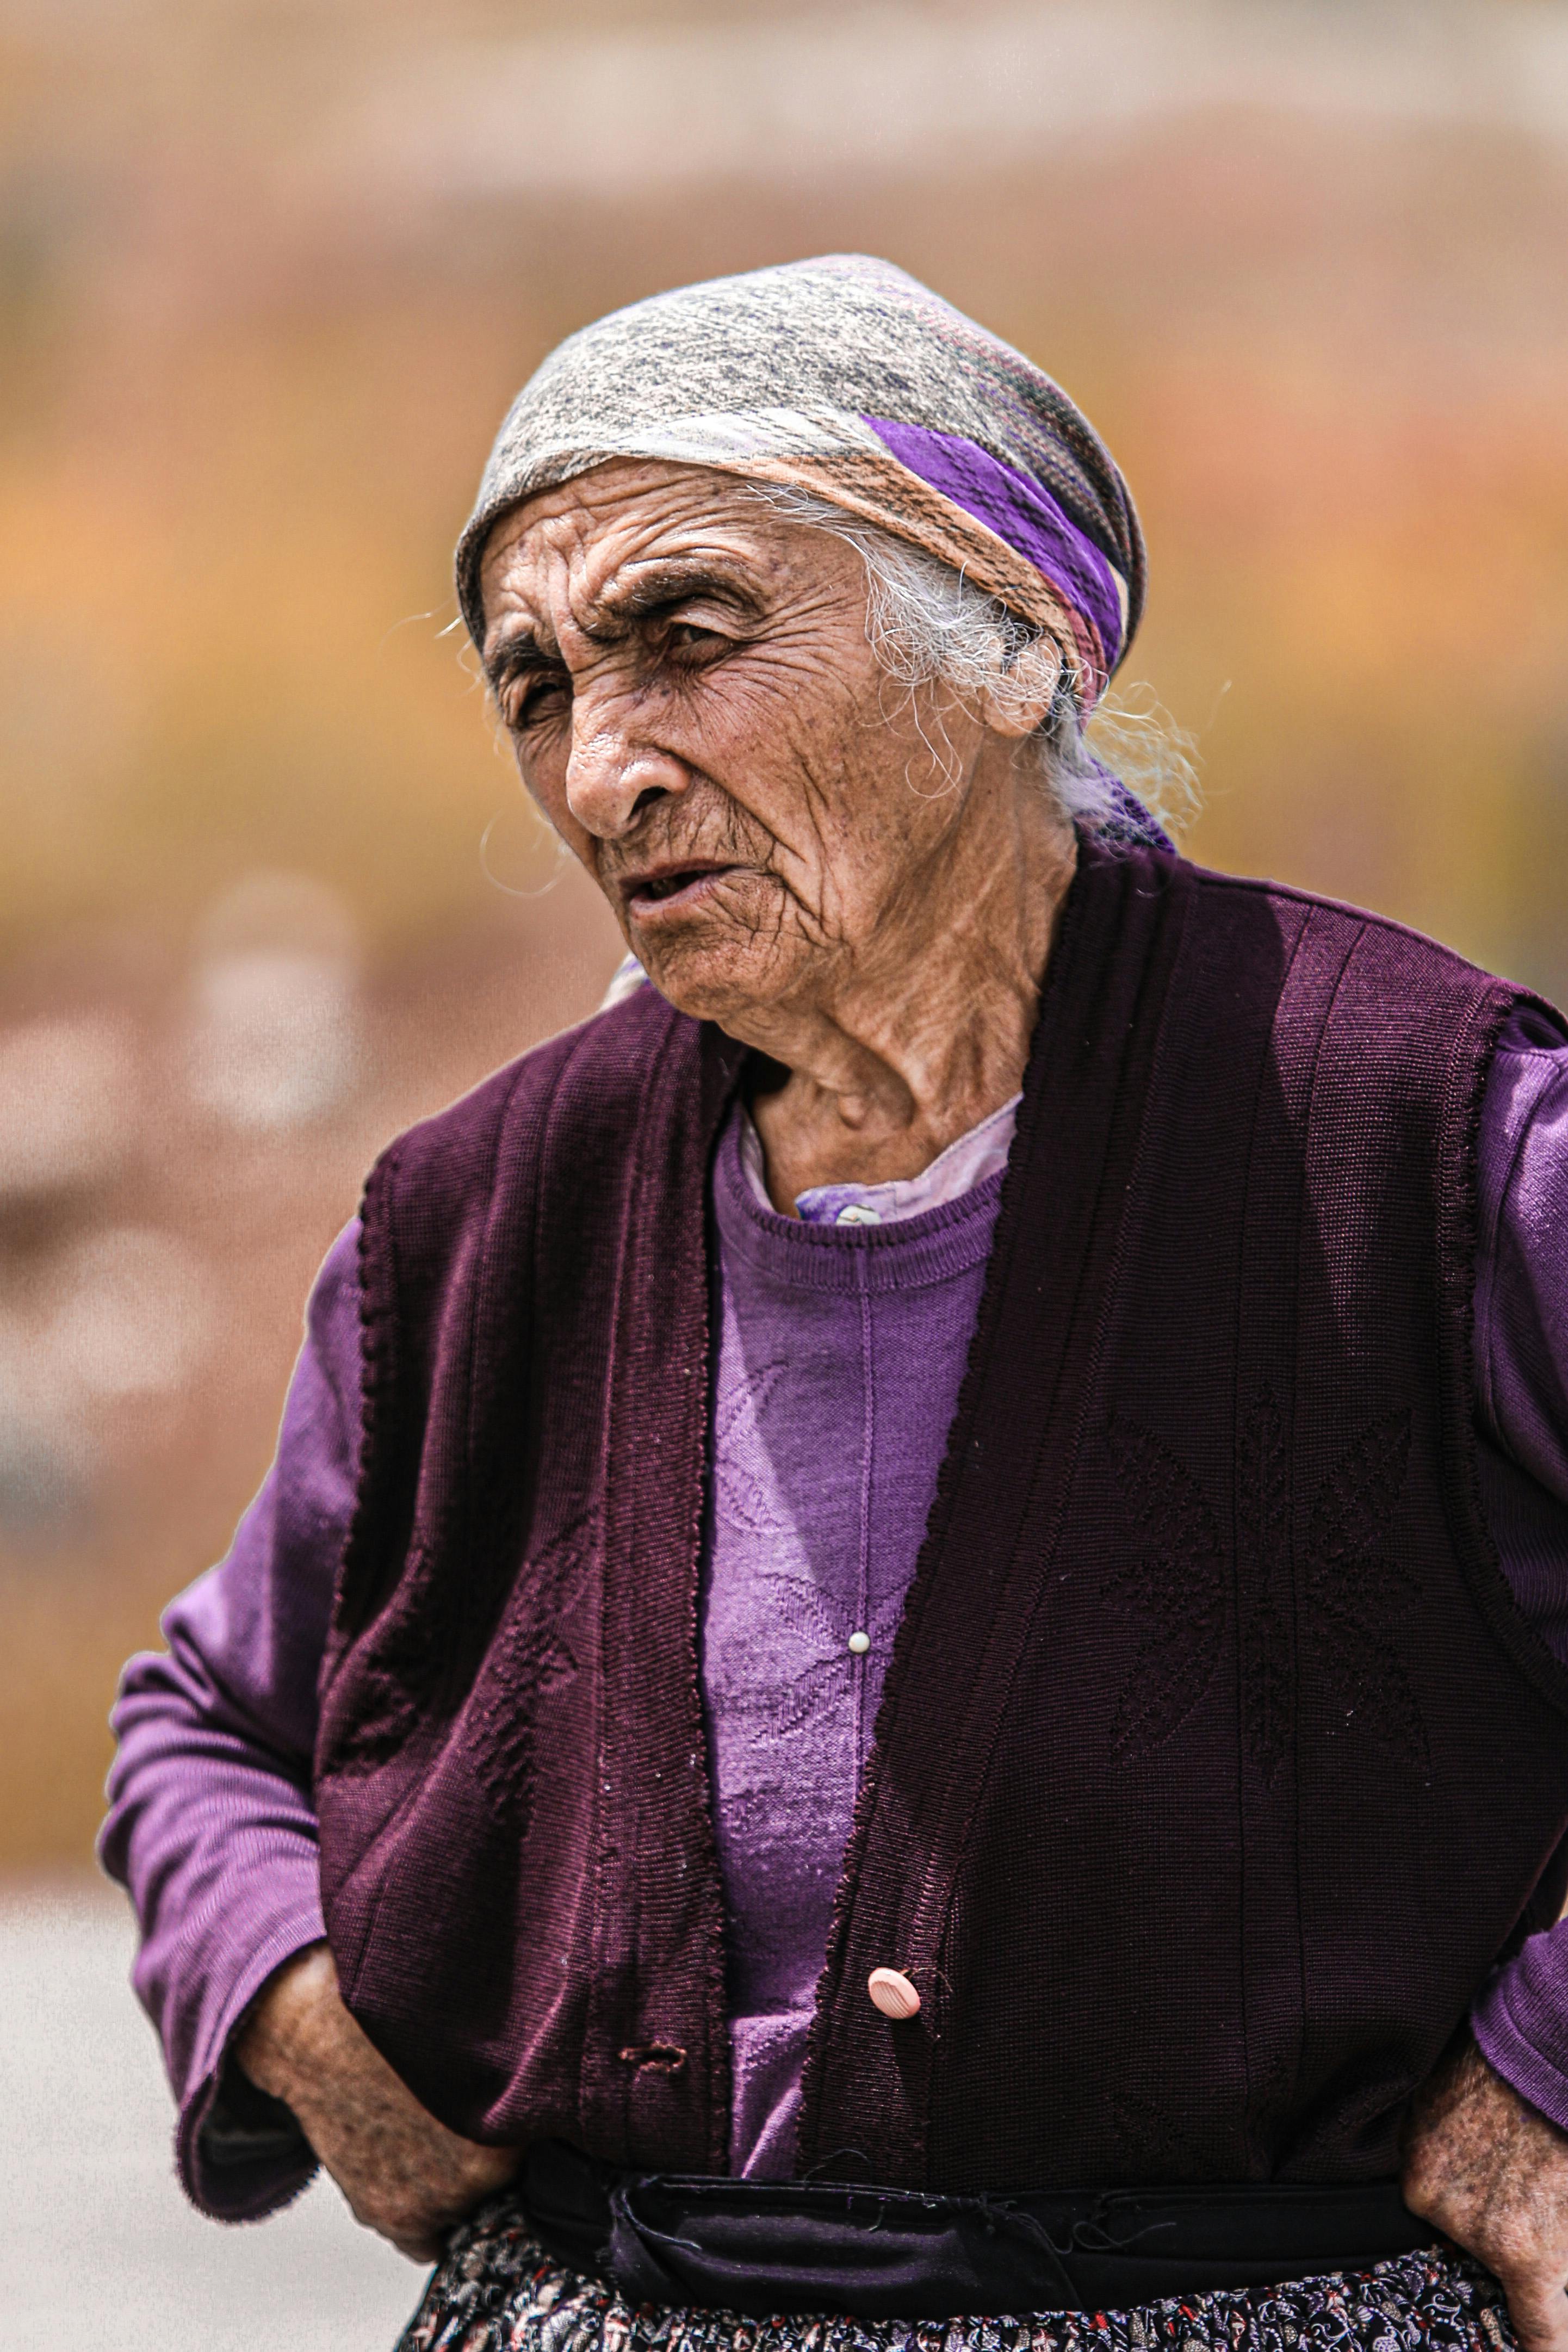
686,680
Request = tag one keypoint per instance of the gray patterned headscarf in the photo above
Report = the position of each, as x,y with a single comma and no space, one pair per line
845,377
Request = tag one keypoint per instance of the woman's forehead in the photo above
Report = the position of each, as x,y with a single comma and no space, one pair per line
630,512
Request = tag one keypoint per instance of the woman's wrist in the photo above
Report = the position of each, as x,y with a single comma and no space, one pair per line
275,2039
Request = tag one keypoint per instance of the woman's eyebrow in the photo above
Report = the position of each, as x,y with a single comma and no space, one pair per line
654,590
517,655
658,588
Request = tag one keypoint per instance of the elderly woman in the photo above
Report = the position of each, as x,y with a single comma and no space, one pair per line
906,1656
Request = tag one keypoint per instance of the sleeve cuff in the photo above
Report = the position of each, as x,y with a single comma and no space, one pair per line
240,2153
1505,2012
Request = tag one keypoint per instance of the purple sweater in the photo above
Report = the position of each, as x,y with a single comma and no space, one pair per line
837,1372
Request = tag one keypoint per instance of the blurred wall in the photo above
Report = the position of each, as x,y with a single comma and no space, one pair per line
269,275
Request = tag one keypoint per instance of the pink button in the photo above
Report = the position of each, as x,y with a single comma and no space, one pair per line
892,1992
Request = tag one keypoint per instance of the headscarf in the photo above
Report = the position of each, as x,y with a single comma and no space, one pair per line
845,377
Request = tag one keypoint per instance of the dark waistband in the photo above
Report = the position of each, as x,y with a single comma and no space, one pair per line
792,2246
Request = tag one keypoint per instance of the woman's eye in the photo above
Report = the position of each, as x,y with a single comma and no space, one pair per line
688,637
538,703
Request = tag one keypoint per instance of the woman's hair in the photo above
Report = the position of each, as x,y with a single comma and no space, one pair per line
926,624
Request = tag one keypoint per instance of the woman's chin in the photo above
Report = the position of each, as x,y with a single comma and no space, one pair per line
714,971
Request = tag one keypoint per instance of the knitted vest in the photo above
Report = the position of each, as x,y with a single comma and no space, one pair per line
1216,1766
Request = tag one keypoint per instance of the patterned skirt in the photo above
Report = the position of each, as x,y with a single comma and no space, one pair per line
498,2291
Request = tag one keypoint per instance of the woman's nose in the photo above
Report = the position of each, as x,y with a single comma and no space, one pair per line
611,774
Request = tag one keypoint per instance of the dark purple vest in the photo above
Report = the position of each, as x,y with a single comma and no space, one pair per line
1216,1766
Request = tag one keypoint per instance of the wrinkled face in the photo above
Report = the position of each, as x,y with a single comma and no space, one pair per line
693,704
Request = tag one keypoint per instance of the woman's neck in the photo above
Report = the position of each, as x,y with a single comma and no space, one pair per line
911,1045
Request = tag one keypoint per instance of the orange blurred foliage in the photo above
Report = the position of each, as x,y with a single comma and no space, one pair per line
254,359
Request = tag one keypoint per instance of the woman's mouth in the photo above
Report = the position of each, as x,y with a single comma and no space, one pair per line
671,886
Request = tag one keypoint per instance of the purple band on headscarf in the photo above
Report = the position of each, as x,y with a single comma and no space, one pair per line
1019,511
1024,514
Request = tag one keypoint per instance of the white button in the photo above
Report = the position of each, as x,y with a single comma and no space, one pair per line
860,1643
892,1992
858,1213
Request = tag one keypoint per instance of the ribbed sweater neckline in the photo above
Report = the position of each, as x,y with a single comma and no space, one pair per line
904,1253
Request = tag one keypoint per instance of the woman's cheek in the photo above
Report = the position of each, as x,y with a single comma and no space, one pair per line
542,767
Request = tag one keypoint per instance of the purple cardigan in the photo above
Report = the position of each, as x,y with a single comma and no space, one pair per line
211,1825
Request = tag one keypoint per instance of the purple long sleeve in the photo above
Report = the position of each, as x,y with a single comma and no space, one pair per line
1521,1356
211,1823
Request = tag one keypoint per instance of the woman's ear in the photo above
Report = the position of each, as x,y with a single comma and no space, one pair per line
1019,698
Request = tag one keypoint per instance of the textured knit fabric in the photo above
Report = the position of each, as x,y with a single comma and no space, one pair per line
845,377
1183,1435
211,1789
497,2291
840,1351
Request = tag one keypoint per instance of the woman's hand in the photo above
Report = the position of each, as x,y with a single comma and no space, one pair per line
403,2173
1492,2174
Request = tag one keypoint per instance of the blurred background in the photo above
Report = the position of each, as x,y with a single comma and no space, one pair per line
269,272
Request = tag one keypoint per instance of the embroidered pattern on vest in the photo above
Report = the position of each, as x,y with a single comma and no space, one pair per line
1351,1581
399,1673
1174,1585
528,1658
1151,2145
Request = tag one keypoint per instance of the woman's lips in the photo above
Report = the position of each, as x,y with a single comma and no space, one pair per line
677,888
